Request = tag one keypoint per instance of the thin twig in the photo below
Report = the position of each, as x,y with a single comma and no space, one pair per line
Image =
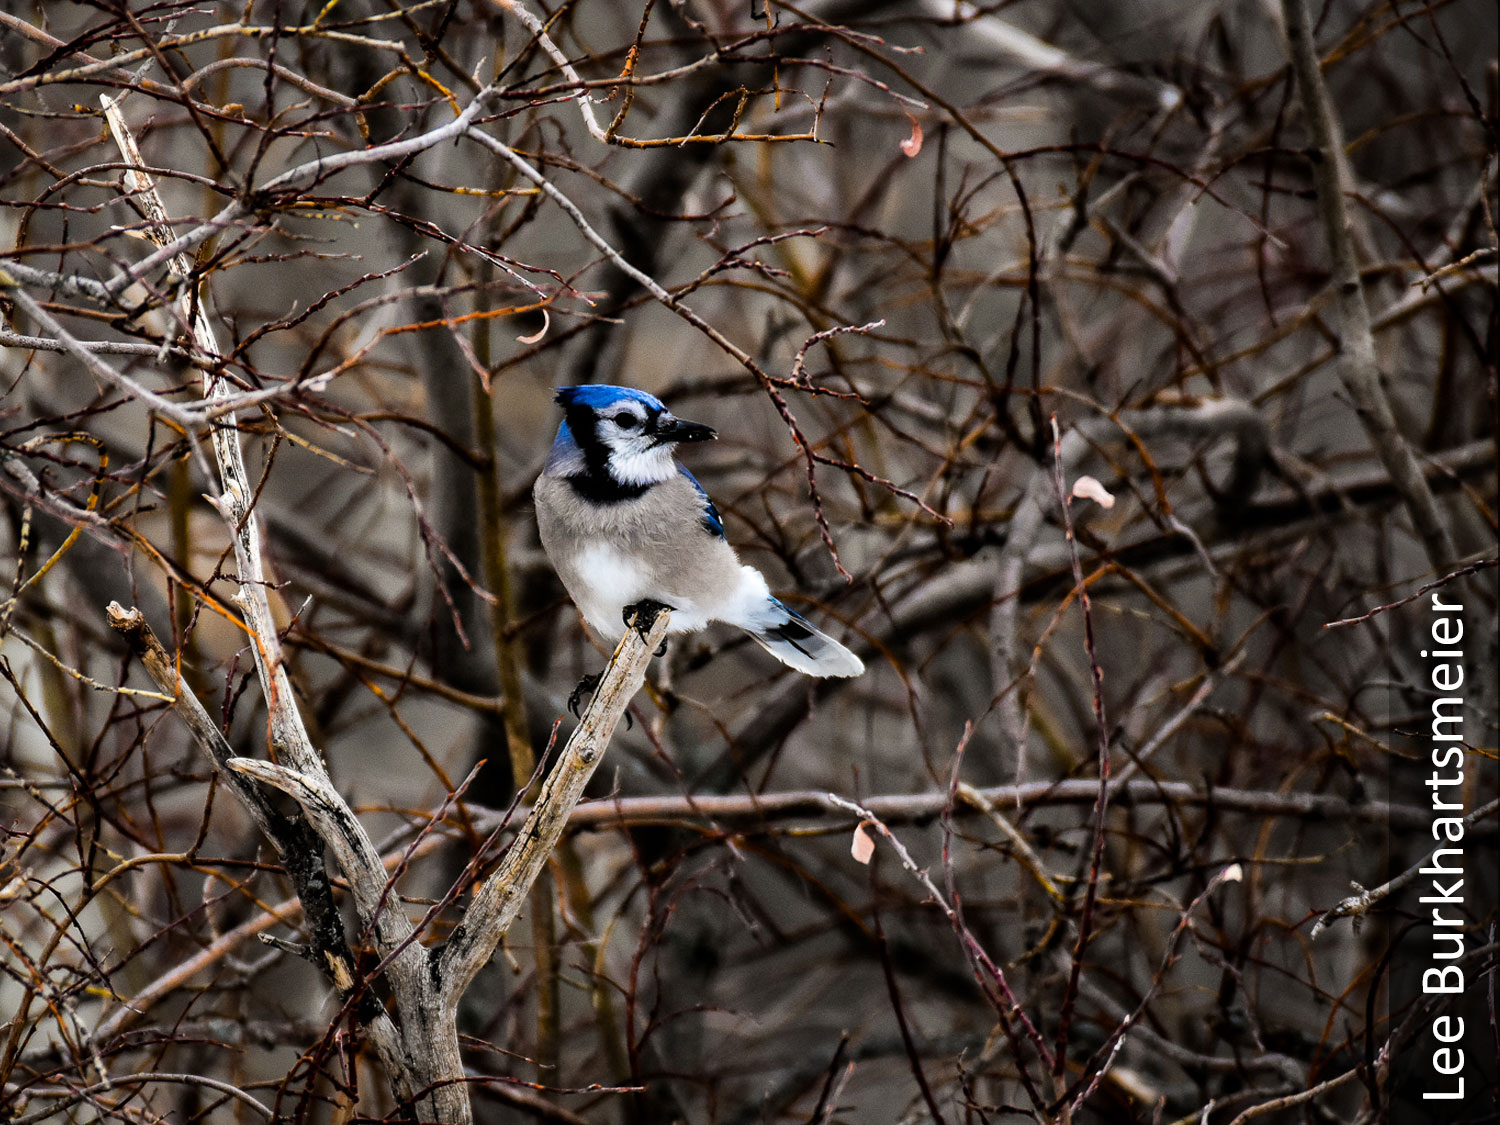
1101,741
1360,903
1299,1098
73,1097
1472,568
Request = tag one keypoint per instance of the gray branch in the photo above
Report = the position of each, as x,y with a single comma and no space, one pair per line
1358,368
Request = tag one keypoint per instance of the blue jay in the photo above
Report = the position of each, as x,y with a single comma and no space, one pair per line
627,527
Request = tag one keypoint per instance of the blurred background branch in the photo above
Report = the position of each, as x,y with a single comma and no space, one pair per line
342,253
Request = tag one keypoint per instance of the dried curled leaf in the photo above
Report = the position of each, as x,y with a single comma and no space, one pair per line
913,144
1090,489
540,332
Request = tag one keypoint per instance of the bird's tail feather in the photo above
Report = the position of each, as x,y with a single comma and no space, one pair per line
794,641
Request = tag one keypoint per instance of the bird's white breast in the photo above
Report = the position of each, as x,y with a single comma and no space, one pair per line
609,579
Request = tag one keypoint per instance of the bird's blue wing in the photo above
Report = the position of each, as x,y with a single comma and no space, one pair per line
710,515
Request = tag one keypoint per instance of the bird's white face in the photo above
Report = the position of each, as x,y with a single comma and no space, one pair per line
619,434
639,453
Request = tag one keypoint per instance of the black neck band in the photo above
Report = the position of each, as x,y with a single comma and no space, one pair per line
601,488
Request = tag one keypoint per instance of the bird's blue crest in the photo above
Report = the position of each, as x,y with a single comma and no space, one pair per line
600,396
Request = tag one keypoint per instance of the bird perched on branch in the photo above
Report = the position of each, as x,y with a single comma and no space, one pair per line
629,528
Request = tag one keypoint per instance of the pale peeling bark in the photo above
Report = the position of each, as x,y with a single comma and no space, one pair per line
417,1041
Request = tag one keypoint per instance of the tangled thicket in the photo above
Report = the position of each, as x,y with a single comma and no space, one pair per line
923,265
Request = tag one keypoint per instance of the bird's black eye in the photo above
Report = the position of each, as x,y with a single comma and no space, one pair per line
626,421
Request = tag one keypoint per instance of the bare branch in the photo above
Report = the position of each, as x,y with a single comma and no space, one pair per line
497,902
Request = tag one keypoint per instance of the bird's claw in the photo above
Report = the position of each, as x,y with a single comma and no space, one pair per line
585,686
641,615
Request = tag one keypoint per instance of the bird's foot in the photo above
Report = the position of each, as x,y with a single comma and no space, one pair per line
585,686
641,615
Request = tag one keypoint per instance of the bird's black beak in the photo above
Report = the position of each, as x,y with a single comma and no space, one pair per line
669,430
